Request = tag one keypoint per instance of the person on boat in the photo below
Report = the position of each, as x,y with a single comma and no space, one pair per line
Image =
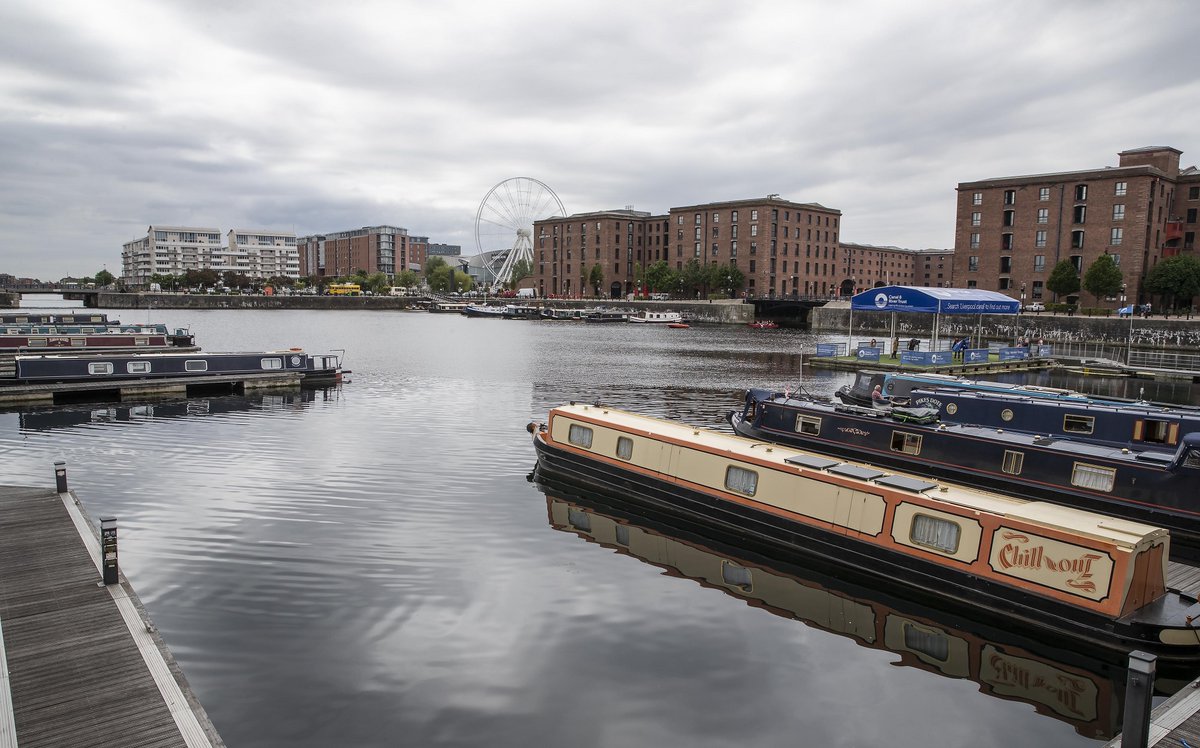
877,395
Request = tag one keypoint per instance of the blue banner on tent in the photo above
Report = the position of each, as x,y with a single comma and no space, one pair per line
869,354
942,357
828,349
930,300
1013,354
919,358
976,355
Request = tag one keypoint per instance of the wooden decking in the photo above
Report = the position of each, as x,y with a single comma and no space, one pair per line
81,665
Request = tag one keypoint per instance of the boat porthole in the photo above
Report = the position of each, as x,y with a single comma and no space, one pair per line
1006,415
295,360
951,408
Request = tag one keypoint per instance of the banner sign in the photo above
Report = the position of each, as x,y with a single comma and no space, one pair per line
1013,354
975,356
828,349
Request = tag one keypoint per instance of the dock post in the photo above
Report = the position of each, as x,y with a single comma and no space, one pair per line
108,550
60,476
1139,692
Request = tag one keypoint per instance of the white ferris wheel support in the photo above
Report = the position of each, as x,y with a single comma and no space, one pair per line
505,220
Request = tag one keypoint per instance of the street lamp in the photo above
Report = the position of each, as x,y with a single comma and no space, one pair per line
1129,337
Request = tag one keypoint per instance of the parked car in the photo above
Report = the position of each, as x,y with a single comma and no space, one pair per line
1035,306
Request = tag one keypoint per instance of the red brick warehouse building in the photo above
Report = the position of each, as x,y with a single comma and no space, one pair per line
1011,231
781,247
371,249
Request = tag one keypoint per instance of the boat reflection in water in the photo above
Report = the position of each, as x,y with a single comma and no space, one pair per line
84,414
1067,680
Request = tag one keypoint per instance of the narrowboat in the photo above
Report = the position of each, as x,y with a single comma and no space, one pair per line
1044,565
483,310
1150,486
563,315
25,318
94,341
647,316
447,307
178,337
520,311
900,385
113,367
602,316
1072,679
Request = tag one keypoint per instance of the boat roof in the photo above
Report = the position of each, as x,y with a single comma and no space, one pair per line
1021,396
1110,529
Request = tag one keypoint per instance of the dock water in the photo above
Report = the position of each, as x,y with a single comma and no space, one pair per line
81,663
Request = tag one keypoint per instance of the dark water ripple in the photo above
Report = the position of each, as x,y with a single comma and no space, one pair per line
368,565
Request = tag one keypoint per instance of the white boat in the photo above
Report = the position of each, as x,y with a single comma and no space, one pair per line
647,316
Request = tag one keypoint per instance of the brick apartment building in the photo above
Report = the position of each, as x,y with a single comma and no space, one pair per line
1011,231
371,249
867,266
781,247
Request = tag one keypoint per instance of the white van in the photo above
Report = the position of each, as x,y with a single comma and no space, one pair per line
526,293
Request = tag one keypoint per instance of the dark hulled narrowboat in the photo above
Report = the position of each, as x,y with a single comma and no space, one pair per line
1047,565
111,367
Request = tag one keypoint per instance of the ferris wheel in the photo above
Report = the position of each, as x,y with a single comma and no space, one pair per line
505,220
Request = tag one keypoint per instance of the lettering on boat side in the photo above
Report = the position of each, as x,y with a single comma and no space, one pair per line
1032,680
1080,571
929,402
854,431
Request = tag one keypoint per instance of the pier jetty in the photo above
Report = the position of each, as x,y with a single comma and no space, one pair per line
81,664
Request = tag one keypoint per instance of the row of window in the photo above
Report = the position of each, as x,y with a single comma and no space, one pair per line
926,530
191,365
1120,189
1078,215
1093,477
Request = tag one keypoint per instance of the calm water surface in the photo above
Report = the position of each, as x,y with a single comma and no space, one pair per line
369,565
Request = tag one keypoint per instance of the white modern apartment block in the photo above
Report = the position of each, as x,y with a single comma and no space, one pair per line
168,250
173,250
259,254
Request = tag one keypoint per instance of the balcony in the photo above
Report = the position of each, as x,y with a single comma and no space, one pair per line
1174,231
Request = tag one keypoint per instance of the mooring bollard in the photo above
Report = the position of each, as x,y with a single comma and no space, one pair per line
1139,692
60,476
108,550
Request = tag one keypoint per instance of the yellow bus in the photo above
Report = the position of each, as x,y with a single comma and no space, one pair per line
344,289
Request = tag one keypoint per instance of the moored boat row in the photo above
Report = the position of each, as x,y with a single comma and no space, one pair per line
1151,486
1051,566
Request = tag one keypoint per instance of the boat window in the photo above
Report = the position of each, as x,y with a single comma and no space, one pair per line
580,436
736,575
271,363
37,342
624,447
1093,477
195,365
1006,415
741,480
935,532
142,340
1156,432
930,643
1013,462
578,519
138,367
1078,424
1192,459
808,425
907,443
623,535
78,342
100,367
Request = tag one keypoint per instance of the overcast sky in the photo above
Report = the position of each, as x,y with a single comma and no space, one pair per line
321,116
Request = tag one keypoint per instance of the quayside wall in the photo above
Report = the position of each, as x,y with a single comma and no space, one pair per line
725,311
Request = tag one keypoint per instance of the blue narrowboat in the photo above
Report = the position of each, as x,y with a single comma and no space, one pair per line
1153,486
113,367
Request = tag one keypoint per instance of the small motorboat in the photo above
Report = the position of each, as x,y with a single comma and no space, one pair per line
679,325
764,324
